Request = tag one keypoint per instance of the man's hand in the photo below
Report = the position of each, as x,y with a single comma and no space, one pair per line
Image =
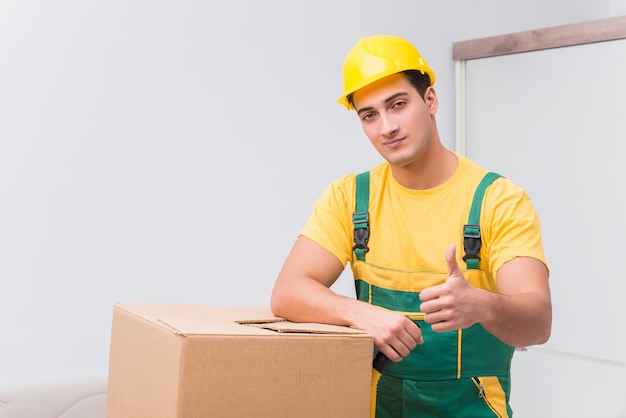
394,333
454,304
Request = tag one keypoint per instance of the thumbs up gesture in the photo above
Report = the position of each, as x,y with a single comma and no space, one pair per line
454,304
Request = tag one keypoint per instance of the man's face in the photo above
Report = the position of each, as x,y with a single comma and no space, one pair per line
398,122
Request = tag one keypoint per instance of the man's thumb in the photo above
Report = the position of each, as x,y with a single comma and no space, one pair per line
453,266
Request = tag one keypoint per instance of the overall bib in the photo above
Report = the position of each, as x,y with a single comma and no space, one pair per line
463,373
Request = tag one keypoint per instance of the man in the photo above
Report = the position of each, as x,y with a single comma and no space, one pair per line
446,303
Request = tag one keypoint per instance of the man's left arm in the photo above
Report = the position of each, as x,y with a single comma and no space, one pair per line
520,314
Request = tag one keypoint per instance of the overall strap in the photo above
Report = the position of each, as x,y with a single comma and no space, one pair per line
471,231
360,217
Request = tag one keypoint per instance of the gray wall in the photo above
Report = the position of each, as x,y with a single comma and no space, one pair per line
171,151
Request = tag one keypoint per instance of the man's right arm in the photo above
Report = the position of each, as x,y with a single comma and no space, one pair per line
302,294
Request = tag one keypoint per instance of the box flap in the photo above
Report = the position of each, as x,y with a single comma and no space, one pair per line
305,327
187,319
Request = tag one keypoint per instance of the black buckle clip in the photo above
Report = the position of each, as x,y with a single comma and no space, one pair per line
471,242
361,230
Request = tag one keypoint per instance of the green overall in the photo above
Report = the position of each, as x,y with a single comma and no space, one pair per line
463,373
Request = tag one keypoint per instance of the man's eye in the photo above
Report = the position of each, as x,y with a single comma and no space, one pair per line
367,116
399,103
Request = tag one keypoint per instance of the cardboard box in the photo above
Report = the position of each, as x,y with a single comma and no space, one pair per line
175,361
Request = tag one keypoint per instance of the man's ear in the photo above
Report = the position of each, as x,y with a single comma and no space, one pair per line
431,100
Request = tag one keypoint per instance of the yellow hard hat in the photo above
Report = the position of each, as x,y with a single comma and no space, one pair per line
376,57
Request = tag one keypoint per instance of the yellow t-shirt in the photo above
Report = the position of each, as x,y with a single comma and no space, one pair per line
411,229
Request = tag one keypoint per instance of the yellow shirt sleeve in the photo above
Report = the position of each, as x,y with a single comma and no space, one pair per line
330,223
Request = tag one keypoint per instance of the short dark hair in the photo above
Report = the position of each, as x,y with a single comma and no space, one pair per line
418,80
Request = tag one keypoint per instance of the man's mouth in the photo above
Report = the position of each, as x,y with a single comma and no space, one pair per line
393,142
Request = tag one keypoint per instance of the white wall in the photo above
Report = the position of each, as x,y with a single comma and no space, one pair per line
617,8
170,151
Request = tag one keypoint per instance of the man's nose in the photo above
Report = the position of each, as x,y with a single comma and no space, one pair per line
389,126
